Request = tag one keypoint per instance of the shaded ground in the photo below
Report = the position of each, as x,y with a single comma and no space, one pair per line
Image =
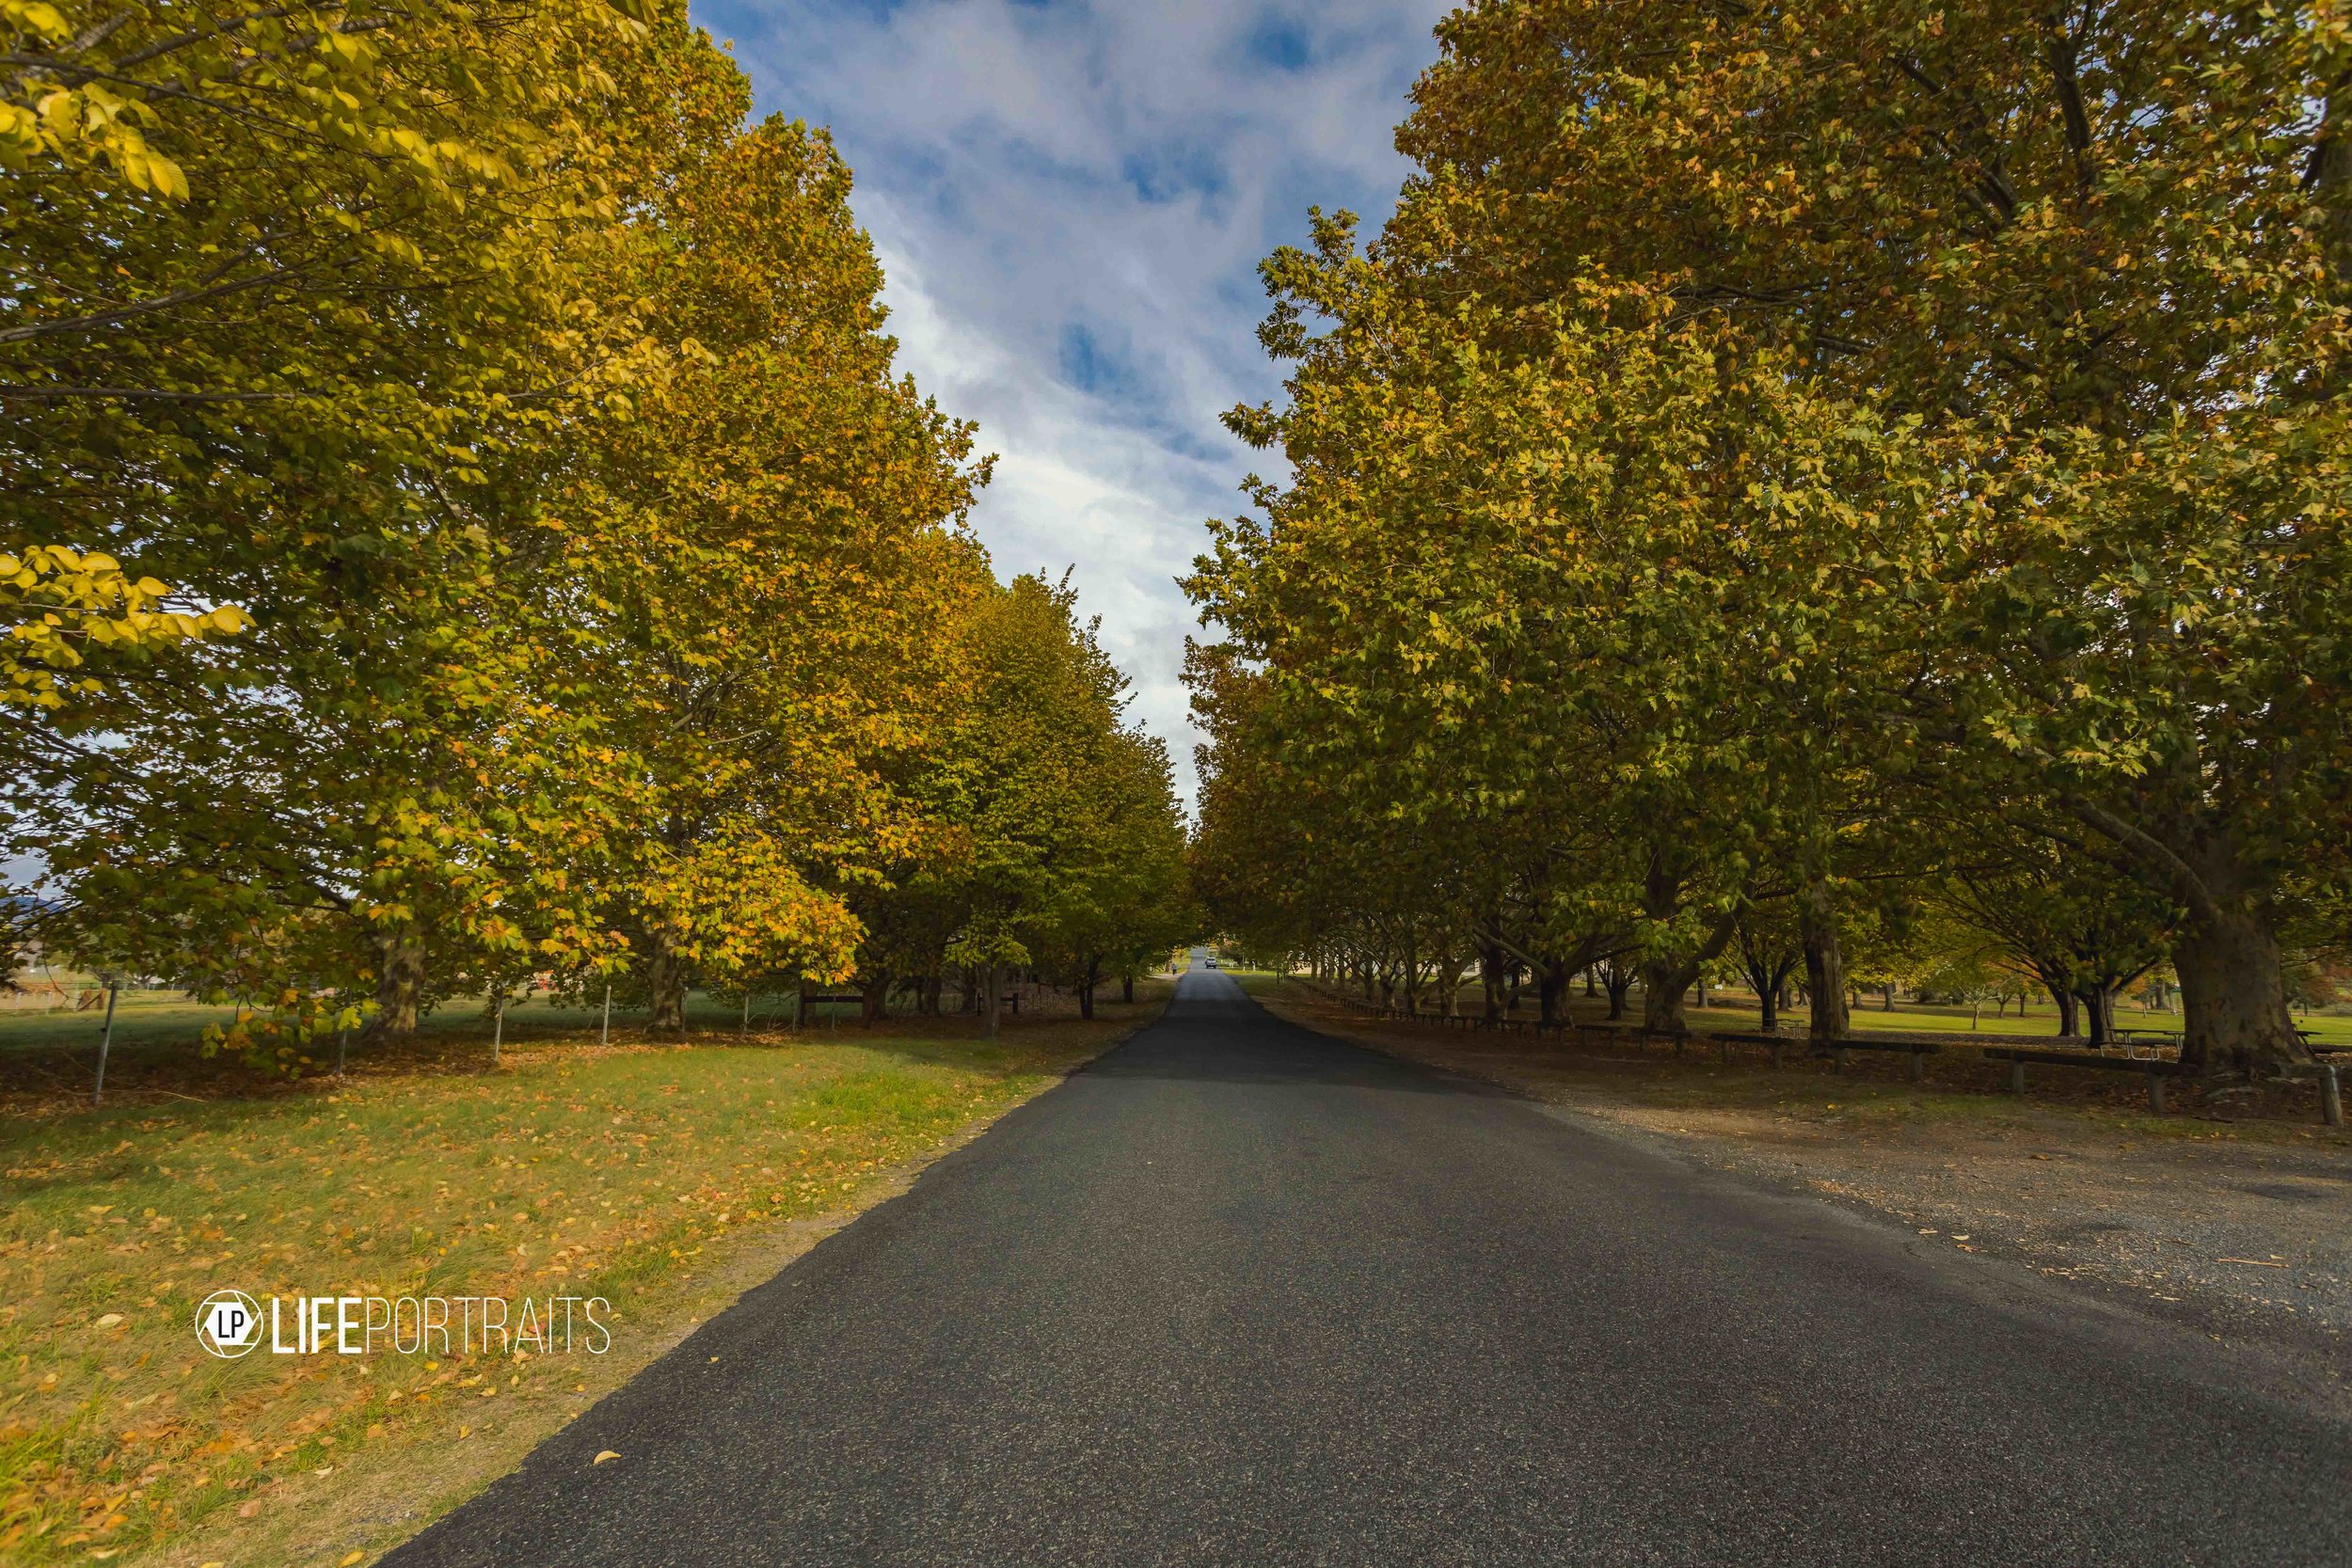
2242,1225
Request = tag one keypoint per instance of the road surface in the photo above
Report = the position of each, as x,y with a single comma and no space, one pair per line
1242,1294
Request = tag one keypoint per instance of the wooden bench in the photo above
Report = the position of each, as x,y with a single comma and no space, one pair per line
1920,1050
2154,1068
800,1014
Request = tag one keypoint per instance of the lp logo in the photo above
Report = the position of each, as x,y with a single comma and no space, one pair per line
229,1323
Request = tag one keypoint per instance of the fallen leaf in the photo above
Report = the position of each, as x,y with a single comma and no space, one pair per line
248,1508
327,1470
355,1557
602,1457
2251,1262
110,1319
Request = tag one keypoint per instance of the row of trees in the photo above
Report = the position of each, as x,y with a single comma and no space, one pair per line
1789,477
459,521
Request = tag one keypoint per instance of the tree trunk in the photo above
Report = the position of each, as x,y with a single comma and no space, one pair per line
666,974
1664,983
1086,987
1592,985
1490,980
2099,1013
1824,966
991,998
1551,993
399,981
1768,1008
2070,1017
2233,997
1619,981
1126,988
873,999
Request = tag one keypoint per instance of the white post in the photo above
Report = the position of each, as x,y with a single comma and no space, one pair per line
105,1043
606,1037
497,1027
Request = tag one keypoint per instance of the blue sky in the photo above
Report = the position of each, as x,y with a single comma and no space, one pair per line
1071,200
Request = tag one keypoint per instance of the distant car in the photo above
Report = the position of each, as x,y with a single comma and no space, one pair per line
1209,963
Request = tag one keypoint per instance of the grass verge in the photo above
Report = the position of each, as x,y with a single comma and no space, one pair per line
664,1179
1872,1094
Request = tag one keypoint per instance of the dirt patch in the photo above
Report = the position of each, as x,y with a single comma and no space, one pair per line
2243,1228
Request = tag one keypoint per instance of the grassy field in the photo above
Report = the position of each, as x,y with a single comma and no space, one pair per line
1873,1091
49,1047
1737,1011
664,1177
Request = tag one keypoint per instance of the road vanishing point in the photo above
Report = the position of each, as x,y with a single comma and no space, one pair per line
1240,1293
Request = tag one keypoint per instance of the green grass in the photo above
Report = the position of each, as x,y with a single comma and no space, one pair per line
1907,1017
572,1170
1872,1093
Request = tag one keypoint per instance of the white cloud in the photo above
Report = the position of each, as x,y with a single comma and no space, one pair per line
1070,201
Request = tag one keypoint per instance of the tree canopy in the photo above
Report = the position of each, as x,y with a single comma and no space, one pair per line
461,522
1803,457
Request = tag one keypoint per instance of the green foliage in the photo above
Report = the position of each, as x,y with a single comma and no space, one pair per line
461,525
1770,448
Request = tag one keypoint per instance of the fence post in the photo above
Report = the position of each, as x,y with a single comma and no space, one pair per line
1919,1066
2330,1096
606,1037
2017,1076
497,1027
343,1036
2155,1092
105,1043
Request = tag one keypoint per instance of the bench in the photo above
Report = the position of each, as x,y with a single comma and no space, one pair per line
1920,1050
800,1015
2154,1068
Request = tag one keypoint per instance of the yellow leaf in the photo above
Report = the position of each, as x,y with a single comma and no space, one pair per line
602,1457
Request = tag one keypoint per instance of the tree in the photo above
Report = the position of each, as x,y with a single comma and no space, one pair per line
2100,251
529,419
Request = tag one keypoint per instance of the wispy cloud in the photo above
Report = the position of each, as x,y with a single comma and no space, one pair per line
1071,200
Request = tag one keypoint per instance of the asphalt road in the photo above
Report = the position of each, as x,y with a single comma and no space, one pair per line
1241,1294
